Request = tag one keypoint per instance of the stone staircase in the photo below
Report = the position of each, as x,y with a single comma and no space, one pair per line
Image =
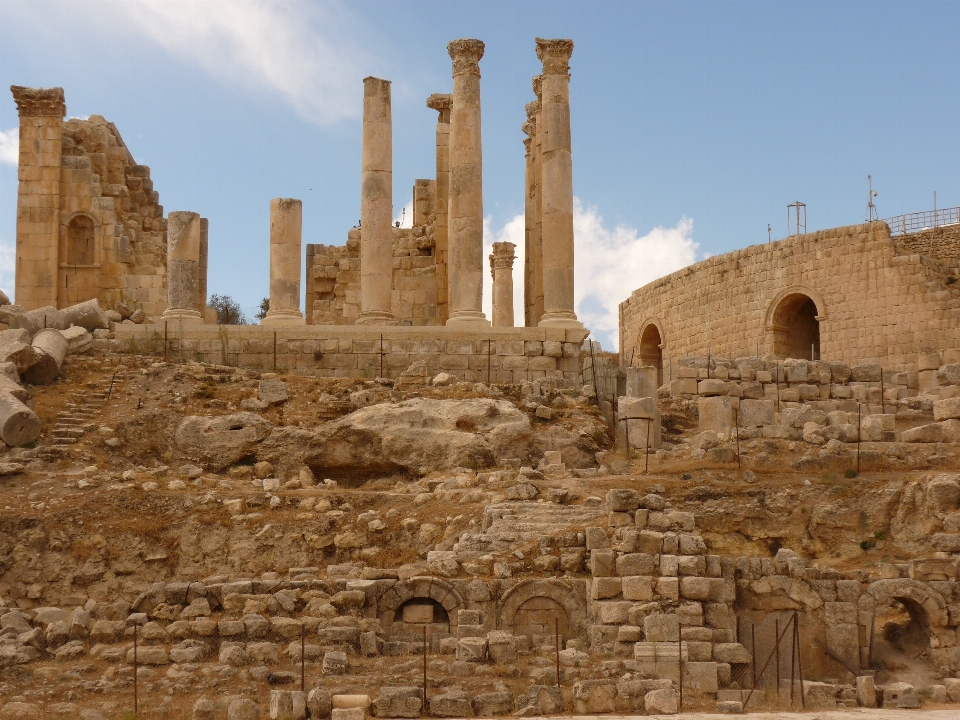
83,409
509,525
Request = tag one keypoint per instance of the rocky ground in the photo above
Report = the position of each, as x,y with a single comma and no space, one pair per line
204,474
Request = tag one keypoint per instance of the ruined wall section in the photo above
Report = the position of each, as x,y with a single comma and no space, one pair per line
873,303
941,244
101,181
333,279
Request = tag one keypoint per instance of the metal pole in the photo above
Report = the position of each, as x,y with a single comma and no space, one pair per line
424,670
180,338
646,451
812,358
136,699
882,409
626,432
776,630
671,369
796,626
708,363
859,430
274,350
303,660
793,652
381,354
753,651
165,353
489,345
680,661
556,629
593,369
736,428
776,650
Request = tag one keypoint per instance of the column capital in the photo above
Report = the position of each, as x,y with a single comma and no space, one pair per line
526,145
466,54
503,255
555,55
442,103
530,127
532,108
39,102
537,84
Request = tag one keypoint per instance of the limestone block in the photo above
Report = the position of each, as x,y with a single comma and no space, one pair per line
949,374
695,588
932,433
19,425
492,704
660,627
715,413
927,381
683,386
631,564
398,702
604,588
623,500
642,381
502,647
612,612
602,563
950,430
594,696
637,407
733,653
866,691
243,709
87,315
711,387
472,649
946,409
757,413
660,702
637,588
700,676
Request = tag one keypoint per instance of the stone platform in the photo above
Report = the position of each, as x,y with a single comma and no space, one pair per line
500,355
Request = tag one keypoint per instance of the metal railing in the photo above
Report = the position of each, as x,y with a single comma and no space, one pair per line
915,222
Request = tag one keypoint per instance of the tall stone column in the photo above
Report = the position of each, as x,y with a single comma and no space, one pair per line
286,225
466,187
183,266
38,195
376,206
501,267
556,185
536,149
532,270
442,104
204,262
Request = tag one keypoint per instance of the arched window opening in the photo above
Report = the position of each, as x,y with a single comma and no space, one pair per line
81,241
539,618
415,615
649,352
796,330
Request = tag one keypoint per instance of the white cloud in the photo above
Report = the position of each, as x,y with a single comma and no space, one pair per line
304,53
610,263
8,266
10,147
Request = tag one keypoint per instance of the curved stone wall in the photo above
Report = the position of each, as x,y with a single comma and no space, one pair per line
851,293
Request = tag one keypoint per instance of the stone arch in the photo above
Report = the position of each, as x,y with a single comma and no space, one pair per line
554,595
793,323
648,349
922,602
425,587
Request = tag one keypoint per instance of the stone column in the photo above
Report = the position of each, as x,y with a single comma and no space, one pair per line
286,224
38,195
557,185
537,150
501,267
466,187
183,266
442,104
204,256
376,206
532,272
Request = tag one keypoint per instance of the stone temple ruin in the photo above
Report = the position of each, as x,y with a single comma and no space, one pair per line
391,505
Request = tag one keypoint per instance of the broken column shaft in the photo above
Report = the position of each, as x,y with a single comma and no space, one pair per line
183,266
286,226
376,206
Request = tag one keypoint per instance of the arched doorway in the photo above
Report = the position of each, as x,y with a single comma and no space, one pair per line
418,614
795,327
540,619
649,350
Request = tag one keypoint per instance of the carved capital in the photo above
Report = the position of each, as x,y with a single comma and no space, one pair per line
530,127
555,55
526,145
39,102
466,55
532,109
503,255
440,101
537,84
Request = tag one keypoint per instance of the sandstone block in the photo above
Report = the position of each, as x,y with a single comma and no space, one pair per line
660,627
637,588
695,588
660,702
946,409
602,563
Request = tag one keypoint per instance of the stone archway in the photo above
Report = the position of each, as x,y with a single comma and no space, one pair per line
420,593
793,324
909,618
649,349
538,608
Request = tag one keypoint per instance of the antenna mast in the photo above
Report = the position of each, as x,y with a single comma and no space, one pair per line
871,208
797,225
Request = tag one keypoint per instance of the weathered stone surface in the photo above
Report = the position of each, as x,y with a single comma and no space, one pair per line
422,435
492,704
661,702
219,442
87,315
398,702
243,709
273,392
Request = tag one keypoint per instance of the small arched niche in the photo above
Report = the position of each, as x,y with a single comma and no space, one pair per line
419,614
649,350
81,243
795,327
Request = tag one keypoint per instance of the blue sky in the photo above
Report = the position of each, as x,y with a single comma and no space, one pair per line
694,123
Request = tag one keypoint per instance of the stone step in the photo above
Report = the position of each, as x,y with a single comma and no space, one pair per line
66,432
63,441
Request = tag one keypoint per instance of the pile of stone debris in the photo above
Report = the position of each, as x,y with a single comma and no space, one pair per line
33,346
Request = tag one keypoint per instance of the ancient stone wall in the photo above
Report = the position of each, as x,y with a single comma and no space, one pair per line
942,243
849,292
333,279
102,234
502,355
